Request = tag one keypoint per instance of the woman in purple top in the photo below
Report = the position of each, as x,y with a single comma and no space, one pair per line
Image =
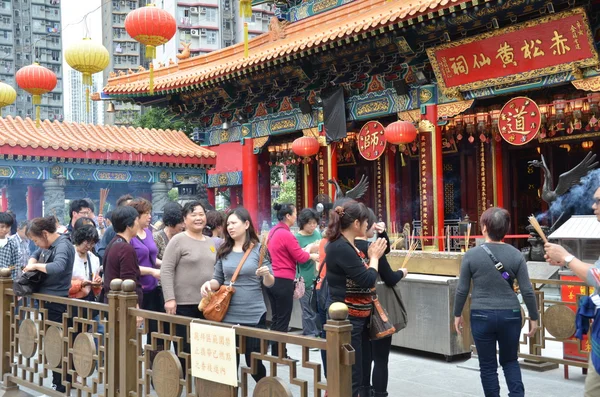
146,251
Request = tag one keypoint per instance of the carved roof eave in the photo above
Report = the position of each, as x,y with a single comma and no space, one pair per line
444,111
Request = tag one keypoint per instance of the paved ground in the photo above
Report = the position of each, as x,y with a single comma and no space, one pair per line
413,374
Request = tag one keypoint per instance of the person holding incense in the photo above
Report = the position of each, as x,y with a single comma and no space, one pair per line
380,348
557,255
351,277
495,308
247,306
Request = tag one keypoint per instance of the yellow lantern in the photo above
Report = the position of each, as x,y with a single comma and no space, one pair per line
8,95
87,57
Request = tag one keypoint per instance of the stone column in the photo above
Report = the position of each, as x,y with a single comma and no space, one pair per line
17,199
54,198
160,197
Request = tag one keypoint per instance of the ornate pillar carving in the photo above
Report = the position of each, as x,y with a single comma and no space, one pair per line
54,197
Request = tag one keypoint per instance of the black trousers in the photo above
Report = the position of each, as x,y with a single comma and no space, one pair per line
362,353
154,301
253,345
181,330
380,354
281,296
55,313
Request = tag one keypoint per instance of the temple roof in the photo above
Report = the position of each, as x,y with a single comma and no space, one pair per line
282,41
109,144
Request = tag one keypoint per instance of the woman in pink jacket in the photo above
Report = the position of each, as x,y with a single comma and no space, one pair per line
285,253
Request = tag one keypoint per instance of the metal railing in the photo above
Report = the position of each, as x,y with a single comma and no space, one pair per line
116,361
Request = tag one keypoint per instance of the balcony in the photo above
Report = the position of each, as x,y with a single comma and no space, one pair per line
6,40
5,8
52,16
6,26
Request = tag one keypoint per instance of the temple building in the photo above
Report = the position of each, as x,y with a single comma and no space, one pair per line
42,167
490,85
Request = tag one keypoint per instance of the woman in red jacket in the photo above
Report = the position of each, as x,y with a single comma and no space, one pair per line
285,253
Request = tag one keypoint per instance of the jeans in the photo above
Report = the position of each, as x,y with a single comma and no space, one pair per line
281,297
253,346
504,328
362,356
310,324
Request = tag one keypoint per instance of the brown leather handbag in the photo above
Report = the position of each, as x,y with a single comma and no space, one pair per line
215,306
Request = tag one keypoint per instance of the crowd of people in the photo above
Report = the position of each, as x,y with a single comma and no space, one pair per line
195,251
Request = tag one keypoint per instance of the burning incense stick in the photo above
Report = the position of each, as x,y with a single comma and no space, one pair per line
103,197
537,228
263,250
467,237
411,249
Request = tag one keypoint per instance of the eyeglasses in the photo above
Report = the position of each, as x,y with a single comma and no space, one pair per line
84,213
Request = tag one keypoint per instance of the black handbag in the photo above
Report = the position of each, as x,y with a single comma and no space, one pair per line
28,283
391,300
380,326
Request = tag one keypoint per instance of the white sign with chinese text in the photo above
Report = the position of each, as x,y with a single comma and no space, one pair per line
213,353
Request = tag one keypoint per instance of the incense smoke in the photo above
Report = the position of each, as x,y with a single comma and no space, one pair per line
578,200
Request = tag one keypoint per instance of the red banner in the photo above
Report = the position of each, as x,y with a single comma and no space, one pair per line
544,46
371,140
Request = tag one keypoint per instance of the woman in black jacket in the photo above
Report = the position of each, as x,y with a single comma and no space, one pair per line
351,277
380,348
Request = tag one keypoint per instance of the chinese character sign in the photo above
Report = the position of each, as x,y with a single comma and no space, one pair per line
426,186
213,353
544,46
371,140
520,121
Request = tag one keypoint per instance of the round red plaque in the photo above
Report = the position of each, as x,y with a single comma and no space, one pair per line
371,140
520,121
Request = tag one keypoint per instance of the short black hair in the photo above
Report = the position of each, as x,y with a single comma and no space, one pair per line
306,215
188,208
91,204
496,221
123,217
83,221
124,199
372,218
172,215
78,205
108,215
85,233
283,209
6,219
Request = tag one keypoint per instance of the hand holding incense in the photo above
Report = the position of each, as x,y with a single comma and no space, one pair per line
533,221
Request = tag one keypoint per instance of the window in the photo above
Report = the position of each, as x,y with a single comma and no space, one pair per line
186,12
133,5
55,55
56,97
211,38
211,14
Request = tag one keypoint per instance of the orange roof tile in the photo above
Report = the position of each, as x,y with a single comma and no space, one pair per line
110,143
342,22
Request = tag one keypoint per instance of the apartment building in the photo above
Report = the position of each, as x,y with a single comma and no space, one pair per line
31,31
77,110
210,25
125,54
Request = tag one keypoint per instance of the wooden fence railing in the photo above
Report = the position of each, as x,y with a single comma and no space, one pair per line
116,361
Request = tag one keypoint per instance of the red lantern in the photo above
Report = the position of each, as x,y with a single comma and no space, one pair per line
305,146
36,80
152,27
400,132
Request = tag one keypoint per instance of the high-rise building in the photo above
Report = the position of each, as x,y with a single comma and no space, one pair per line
78,107
125,53
30,32
210,25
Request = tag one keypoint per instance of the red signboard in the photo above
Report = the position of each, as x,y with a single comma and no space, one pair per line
520,121
544,46
371,140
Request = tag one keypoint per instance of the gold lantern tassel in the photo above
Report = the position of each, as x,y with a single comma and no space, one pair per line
246,8
402,158
87,99
150,52
37,100
402,147
246,44
151,82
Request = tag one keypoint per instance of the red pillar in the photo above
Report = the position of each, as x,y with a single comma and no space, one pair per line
308,191
264,189
431,141
4,200
498,173
250,179
390,191
332,169
211,196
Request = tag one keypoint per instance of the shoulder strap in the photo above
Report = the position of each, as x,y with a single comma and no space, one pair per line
499,266
89,263
237,271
